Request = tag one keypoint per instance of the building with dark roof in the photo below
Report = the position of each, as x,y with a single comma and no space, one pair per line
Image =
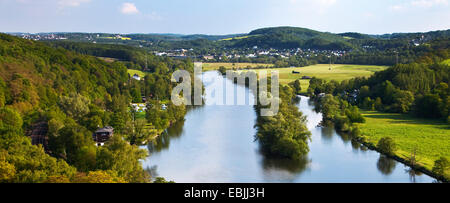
101,136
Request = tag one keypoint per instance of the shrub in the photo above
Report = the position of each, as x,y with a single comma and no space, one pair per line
387,145
342,123
440,166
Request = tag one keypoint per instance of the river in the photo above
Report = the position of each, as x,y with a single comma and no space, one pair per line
215,144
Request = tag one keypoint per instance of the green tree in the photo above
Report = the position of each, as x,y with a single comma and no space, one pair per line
223,70
138,133
387,145
10,121
330,107
403,100
75,105
117,155
441,166
297,86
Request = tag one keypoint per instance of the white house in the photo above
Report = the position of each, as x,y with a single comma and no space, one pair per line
136,77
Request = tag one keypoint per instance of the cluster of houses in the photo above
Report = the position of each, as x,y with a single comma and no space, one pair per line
139,107
254,52
38,37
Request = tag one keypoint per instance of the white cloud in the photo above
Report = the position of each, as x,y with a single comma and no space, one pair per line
72,3
129,9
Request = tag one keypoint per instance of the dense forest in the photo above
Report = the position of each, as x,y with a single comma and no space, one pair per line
72,95
420,88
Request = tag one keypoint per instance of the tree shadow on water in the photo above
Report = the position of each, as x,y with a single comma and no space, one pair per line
386,165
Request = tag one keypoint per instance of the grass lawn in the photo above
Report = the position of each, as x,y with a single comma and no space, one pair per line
446,62
431,137
338,72
140,73
216,66
140,115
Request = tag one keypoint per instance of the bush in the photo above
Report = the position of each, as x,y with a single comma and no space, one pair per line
440,166
342,124
354,115
355,131
387,145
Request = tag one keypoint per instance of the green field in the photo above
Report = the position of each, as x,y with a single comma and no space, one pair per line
446,62
216,66
140,73
337,72
431,138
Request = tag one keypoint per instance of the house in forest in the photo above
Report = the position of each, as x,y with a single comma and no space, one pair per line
101,136
136,77
39,134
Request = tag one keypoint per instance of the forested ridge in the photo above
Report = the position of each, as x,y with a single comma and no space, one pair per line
73,95
420,88
288,46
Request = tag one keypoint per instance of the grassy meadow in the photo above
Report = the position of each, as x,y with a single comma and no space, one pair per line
430,138
337,72
446,62
132,72
216,66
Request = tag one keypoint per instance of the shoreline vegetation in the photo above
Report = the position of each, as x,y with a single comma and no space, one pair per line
285,134
69,93
354,121
404,93
371,136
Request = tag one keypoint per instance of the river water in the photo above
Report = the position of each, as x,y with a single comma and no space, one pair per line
215,144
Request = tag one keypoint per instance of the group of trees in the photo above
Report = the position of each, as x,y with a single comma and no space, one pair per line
339,112
117,162
74,95
420,88
285,134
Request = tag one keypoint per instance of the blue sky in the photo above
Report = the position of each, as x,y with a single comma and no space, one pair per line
222,16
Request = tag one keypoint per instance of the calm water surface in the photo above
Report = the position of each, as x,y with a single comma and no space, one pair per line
216,145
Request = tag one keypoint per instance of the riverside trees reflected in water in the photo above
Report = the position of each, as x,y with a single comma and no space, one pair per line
217,144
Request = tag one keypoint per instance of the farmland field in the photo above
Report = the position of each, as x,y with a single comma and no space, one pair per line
337,72
430,138
216,66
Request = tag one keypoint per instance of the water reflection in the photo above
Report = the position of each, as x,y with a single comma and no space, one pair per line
216,144
327,134
386,165
283,170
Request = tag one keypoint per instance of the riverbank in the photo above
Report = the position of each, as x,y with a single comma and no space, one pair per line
428,139
216,143
416,167
419,142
